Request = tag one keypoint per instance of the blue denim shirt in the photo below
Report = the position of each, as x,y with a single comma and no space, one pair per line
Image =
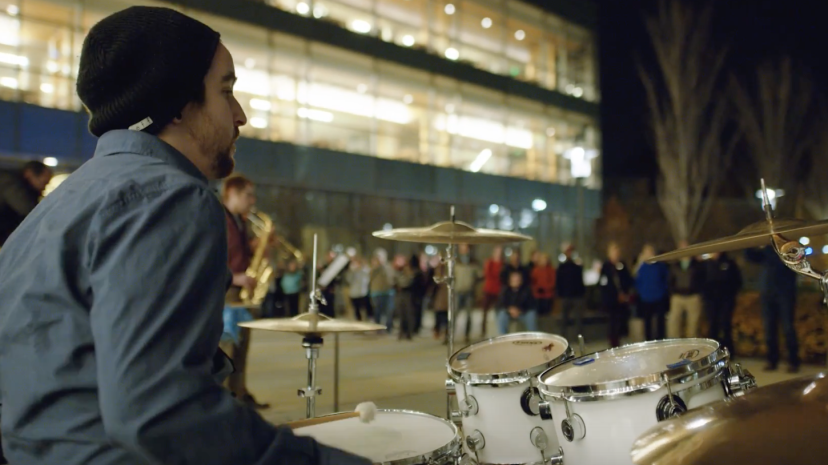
111,298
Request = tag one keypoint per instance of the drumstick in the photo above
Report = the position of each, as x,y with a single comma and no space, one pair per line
366,412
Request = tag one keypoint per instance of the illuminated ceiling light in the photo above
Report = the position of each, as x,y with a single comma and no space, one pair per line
302,8
486,23
315,115
449,9
361,26
538,205
408,98
249,63
47,88
259,104
8,82
258,123
408,40
362,88
15,60
580,161
481,160
452,53
319,11
50,161
13,10
520,35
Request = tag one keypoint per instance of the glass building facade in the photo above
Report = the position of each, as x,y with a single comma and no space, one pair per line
302,90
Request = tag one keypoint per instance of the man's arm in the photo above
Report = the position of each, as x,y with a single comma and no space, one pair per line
158,275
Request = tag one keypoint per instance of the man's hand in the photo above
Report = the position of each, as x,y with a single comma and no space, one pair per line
514,312
242,280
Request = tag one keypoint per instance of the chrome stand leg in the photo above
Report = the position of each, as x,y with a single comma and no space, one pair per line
311,345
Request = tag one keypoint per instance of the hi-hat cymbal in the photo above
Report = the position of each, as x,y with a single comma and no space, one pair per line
755,235
307,323
775,424
451,232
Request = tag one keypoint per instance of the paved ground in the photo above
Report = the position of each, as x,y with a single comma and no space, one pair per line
392,374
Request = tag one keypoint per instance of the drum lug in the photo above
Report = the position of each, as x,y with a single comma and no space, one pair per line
573,428
738,381
475,441
670,406
530,401
545,410
451,387
469,407
557,459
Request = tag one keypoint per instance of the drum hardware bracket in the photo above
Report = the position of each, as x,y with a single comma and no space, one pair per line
581,345
529,396
311,344
670,405
470,406
738,381
545,410
573,427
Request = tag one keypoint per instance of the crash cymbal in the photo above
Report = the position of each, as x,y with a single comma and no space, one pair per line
755,235
448,232
782,423
307,323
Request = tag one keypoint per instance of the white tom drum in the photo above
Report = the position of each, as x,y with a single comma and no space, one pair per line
394,437
495,382
600,403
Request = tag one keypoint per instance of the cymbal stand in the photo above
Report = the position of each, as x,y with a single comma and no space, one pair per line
792,253
312,342
449,260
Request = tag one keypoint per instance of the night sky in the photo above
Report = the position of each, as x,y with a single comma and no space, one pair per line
754,29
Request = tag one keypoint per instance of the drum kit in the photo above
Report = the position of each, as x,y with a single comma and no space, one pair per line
527,398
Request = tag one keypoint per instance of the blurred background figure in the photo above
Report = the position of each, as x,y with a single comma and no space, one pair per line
292,283
722,282
652,283
466,275
491,284
686,278
616,291
382,289
517,303
778,296
358,278
543,287
439,302
570,288
20,191
404,284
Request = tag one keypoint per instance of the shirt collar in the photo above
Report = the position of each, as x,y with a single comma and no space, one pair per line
140,143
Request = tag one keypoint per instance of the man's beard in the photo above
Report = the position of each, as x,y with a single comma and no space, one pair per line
220,153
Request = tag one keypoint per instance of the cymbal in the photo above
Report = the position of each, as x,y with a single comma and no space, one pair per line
448,232
755,235
307,323
779,423
248,306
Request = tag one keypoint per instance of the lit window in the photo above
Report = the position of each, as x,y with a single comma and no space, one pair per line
486,23
258,122
47,88
449,9
50,161
259,104
13,10
302,8
520,35
408,40
452,53
8,82
361,26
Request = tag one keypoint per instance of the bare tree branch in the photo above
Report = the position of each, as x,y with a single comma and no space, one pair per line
687,115
775,119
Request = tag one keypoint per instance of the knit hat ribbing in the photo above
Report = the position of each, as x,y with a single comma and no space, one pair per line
140,66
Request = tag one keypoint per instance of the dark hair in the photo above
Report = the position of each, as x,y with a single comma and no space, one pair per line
35,167
235,182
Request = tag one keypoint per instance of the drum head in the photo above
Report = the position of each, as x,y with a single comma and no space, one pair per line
634,361
393,435
511,353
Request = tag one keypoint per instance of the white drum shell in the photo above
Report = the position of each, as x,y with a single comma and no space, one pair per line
613,425
504,424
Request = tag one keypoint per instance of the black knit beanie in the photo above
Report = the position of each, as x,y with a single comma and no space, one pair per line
140,67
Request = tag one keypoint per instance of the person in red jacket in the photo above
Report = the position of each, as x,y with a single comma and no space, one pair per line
491,283
543,284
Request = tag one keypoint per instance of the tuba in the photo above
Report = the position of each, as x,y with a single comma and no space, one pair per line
260,267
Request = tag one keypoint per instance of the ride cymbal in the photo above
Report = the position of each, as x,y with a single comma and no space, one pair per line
755,235
451,232
308,323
